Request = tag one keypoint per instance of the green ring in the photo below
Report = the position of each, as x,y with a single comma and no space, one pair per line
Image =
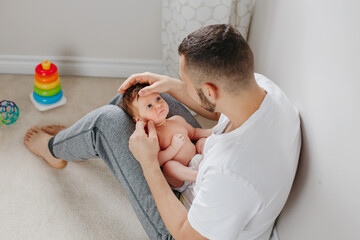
47,93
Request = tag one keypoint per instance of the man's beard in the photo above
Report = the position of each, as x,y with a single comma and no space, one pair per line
205,103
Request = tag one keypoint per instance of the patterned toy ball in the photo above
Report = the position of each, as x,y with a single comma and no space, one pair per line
9,112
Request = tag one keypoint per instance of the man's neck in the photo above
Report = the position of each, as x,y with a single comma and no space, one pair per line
239,108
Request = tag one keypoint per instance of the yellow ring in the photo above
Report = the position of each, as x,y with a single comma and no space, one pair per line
47,86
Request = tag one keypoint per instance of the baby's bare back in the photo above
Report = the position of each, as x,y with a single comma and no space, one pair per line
172,126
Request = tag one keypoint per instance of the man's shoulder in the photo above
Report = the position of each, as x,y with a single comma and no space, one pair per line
268,85
279,100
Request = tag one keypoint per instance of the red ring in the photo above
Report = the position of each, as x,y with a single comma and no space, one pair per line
40,71
47,79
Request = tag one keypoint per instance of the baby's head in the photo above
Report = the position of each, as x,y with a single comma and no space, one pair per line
152,107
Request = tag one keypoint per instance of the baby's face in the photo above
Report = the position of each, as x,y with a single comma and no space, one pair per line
152,107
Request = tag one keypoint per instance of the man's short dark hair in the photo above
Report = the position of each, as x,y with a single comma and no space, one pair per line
220,55
129,96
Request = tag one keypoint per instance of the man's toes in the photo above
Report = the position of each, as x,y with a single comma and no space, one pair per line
46,128
52,129
35,129
29,133
27,137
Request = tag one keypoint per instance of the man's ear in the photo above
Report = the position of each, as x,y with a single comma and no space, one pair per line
211,91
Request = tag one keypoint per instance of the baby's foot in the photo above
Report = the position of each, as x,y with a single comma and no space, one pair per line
52,129
36,140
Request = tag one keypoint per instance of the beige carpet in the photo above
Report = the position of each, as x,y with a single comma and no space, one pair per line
81,201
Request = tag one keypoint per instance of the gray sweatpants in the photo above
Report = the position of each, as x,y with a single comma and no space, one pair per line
105,133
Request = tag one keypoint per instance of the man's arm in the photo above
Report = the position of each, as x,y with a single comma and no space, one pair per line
173,86
171,210
145,149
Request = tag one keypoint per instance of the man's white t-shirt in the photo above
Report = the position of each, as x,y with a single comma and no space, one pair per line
246,174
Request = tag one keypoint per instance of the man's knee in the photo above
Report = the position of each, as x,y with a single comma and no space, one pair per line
113,113
113,118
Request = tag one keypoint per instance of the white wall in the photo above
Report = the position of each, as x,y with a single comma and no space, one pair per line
311,50
119,30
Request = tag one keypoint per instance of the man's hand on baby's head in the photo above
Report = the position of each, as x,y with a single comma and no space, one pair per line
133,79
177,141
145,77
158,83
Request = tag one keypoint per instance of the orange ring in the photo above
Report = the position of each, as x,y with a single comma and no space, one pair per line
46,79
47,86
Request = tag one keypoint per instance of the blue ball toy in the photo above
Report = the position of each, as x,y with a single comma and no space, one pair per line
9,112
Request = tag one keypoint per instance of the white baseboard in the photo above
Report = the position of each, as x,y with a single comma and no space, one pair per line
80,66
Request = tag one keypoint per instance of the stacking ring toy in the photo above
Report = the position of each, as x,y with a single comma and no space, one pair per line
48,100
46,79
47,86
47,93
39,70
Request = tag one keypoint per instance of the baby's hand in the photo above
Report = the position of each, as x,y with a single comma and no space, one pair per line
177,141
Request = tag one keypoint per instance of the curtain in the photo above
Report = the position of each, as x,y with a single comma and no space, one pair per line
181,17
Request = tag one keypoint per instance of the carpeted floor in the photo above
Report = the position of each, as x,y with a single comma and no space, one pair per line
81,201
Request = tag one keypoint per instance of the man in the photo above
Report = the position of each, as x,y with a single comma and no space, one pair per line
249,160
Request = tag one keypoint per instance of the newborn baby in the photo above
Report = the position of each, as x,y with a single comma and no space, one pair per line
174,135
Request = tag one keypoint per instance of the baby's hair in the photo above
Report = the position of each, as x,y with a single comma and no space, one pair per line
129,96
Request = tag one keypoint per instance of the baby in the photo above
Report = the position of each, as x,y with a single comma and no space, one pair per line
174,135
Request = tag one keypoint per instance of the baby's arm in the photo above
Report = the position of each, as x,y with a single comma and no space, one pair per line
200,133
169,153
196,133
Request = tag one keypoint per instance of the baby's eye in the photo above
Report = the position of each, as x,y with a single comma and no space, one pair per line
158,98
149,106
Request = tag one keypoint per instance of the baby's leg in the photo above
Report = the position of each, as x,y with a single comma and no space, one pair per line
176,173
200,145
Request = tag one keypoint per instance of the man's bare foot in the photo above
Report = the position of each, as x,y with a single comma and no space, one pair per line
36,140
52,129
